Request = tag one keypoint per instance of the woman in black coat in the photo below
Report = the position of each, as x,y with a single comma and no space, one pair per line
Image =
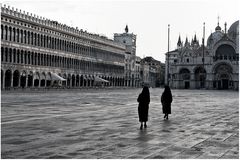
144,100
166,100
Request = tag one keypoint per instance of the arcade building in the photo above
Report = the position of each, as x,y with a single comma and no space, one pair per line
39,53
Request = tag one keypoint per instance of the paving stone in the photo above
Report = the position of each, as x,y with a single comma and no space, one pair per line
92,124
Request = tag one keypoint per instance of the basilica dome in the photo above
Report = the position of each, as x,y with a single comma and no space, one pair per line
233,31
214,37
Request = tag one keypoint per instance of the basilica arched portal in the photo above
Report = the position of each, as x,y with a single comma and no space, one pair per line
184,76
200,77
223,76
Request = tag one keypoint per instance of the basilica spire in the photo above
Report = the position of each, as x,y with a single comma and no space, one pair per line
186,42
225,24
195,38
126,29
218,28
179,43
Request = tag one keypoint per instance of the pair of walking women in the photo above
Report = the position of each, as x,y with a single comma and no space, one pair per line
144,100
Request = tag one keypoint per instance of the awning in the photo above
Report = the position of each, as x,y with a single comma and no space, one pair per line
98,79
57,77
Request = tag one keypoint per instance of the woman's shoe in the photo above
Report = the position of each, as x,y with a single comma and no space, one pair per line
141,127
145,125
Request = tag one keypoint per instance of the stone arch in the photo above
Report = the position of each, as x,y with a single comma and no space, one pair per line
225,51
184,77
77,80
64,83
184,74
10,33
2,31
23,79
28,37
6,54
223,75
2,54
14,34
8,78
36,79
2,79
73,80
92,80
17,35
14,54
200,76
30,79
16,78
69,80
88,80
31,38
81,80
85,80
10,55
42,79
6,33
48,79
111,81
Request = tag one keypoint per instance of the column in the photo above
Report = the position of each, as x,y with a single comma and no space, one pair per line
33,81
75,81
26,84
19,81
11,80
70,83
39,82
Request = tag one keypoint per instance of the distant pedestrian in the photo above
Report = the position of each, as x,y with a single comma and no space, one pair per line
166,100
144,100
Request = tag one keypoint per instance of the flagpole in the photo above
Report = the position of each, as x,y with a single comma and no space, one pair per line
168,56
203,52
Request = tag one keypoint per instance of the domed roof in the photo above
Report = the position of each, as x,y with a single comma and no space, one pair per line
234,27
234,30
214,37
218,28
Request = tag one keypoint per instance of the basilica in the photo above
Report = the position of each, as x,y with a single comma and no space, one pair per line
214,66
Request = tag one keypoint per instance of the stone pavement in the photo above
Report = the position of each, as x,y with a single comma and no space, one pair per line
104,124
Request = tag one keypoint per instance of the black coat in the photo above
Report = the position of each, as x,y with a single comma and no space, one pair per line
166,100
143,107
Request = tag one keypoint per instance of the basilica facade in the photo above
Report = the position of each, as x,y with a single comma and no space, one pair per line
214,66
39,53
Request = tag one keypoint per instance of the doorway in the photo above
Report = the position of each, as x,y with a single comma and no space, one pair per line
187,85
225,83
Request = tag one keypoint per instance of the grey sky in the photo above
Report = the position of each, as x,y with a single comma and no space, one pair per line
147,19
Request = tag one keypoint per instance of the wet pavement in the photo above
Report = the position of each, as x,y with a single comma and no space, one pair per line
104,124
